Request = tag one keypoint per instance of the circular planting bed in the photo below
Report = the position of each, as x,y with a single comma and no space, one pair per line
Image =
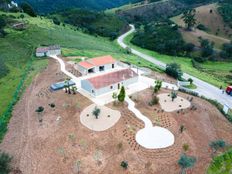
107,118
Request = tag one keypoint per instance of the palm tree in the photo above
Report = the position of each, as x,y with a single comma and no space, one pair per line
67,86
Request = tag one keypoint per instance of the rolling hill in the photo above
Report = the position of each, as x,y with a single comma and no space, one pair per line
217,30
42,6
18,47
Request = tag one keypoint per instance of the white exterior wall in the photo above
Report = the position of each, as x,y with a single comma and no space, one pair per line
54,52
40,54
115,86
107,67
82,70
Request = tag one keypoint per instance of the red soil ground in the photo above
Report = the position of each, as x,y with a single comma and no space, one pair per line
55,145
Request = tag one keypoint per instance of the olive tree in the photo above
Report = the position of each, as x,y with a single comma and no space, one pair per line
186,162
96,112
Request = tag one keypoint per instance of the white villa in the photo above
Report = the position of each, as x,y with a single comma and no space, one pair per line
96,65
109,82
46,51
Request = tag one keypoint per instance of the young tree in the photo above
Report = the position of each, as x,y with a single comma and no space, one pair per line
174,70
78,166
96,112
67,86
122,94
157,87
115,96
39,111
182,128
173,95
189,18
124,164
186,162
5,161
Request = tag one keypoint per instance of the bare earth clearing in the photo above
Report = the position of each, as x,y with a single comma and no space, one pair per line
55,145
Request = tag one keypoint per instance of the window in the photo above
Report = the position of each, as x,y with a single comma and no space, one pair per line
111,87
92,91
112,65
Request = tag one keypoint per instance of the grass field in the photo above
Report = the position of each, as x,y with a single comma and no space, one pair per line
221,164
18,47
214,72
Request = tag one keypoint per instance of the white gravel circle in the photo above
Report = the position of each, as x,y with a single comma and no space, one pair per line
154,137
107,118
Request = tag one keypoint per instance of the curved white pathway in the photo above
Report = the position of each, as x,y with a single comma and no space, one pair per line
150,137
203,88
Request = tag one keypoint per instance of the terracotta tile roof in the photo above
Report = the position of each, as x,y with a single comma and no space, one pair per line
111,78
102,60
86,64
97,61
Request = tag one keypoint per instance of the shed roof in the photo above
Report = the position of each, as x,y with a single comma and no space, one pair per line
42,49
46,49
103,60
111,78
97,61
86,64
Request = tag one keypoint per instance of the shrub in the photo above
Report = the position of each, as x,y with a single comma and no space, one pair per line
5,160
154,100
218,144
202,27
56,21
182,128
39,109
186,162
124,164
190,80
185,147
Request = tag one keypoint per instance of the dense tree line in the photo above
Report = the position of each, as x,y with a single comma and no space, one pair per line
48,6
225,10
92,22
163,38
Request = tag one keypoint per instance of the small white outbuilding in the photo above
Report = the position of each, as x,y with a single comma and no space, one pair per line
47,51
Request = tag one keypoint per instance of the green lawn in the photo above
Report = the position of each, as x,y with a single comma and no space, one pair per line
221,164
18,47
214,72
